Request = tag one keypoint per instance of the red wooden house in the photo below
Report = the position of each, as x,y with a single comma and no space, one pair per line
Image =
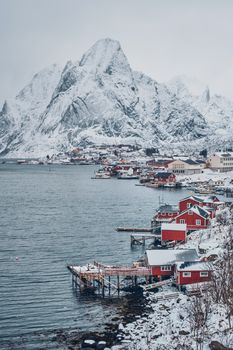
192,272
166,213
173,232
162,261
164,178
189,202
196,218
209,201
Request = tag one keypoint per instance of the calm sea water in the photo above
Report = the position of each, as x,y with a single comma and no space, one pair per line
51,216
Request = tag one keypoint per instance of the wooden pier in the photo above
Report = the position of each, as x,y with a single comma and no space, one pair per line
112,280
133,229
158,284
140,238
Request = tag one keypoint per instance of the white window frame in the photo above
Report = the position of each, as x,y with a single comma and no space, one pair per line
166,268
182,221
188,205
198,222
190,212
204,274
186,274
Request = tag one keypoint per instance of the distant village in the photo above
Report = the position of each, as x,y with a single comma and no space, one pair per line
203,173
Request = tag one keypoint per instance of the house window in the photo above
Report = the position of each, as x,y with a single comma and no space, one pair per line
188,205
204,274
169,214
182,221
198,222
166,268
190,212
186,274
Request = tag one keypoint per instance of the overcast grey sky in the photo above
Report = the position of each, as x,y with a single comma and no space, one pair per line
162,38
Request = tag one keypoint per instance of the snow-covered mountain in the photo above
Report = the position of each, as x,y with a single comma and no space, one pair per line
100,99
216,109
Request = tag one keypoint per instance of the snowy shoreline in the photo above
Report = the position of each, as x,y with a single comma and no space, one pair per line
169,326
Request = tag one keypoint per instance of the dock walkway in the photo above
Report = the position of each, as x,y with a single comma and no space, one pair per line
99,277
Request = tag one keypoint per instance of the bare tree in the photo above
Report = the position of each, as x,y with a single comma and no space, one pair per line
199,313
221,287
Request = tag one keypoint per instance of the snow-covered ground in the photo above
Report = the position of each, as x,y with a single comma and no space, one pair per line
208,175
169,324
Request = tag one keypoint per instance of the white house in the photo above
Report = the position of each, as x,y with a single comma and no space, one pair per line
221,161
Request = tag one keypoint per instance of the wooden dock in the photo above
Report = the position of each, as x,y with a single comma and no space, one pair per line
108,279
133,229
140,238
158,284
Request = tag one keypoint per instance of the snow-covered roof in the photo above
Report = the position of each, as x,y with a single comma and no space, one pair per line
197,210
200,211
193,266
157,257
174,227
168,208
222,154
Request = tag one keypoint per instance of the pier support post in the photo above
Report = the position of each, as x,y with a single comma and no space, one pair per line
131,240
103,286
118,285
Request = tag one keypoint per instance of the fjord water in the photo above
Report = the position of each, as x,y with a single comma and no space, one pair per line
52,216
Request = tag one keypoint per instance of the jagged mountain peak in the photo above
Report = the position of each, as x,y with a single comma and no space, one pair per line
184,86
99,99
38,89
105,56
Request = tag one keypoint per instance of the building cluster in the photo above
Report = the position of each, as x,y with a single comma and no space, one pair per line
175,223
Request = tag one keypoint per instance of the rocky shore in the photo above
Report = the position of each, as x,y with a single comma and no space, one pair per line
131,308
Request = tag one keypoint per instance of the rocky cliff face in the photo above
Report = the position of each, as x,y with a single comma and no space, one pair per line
99,99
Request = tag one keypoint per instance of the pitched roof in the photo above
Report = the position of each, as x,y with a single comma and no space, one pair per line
167,208
193,266
191,162
201,211
197,199
197,210
158,257
163,174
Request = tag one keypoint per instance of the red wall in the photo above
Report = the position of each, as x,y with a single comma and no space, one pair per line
156,271
183,204
195,277
190,220
166,216
172,235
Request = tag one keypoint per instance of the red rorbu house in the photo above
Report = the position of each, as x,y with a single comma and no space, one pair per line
173,232
188,202
166,213
124,167
164,178
196,218
162,261
192,272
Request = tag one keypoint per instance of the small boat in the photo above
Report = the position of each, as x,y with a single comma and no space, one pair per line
202,190
128,175
152,185
169,185
22,161
101,174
